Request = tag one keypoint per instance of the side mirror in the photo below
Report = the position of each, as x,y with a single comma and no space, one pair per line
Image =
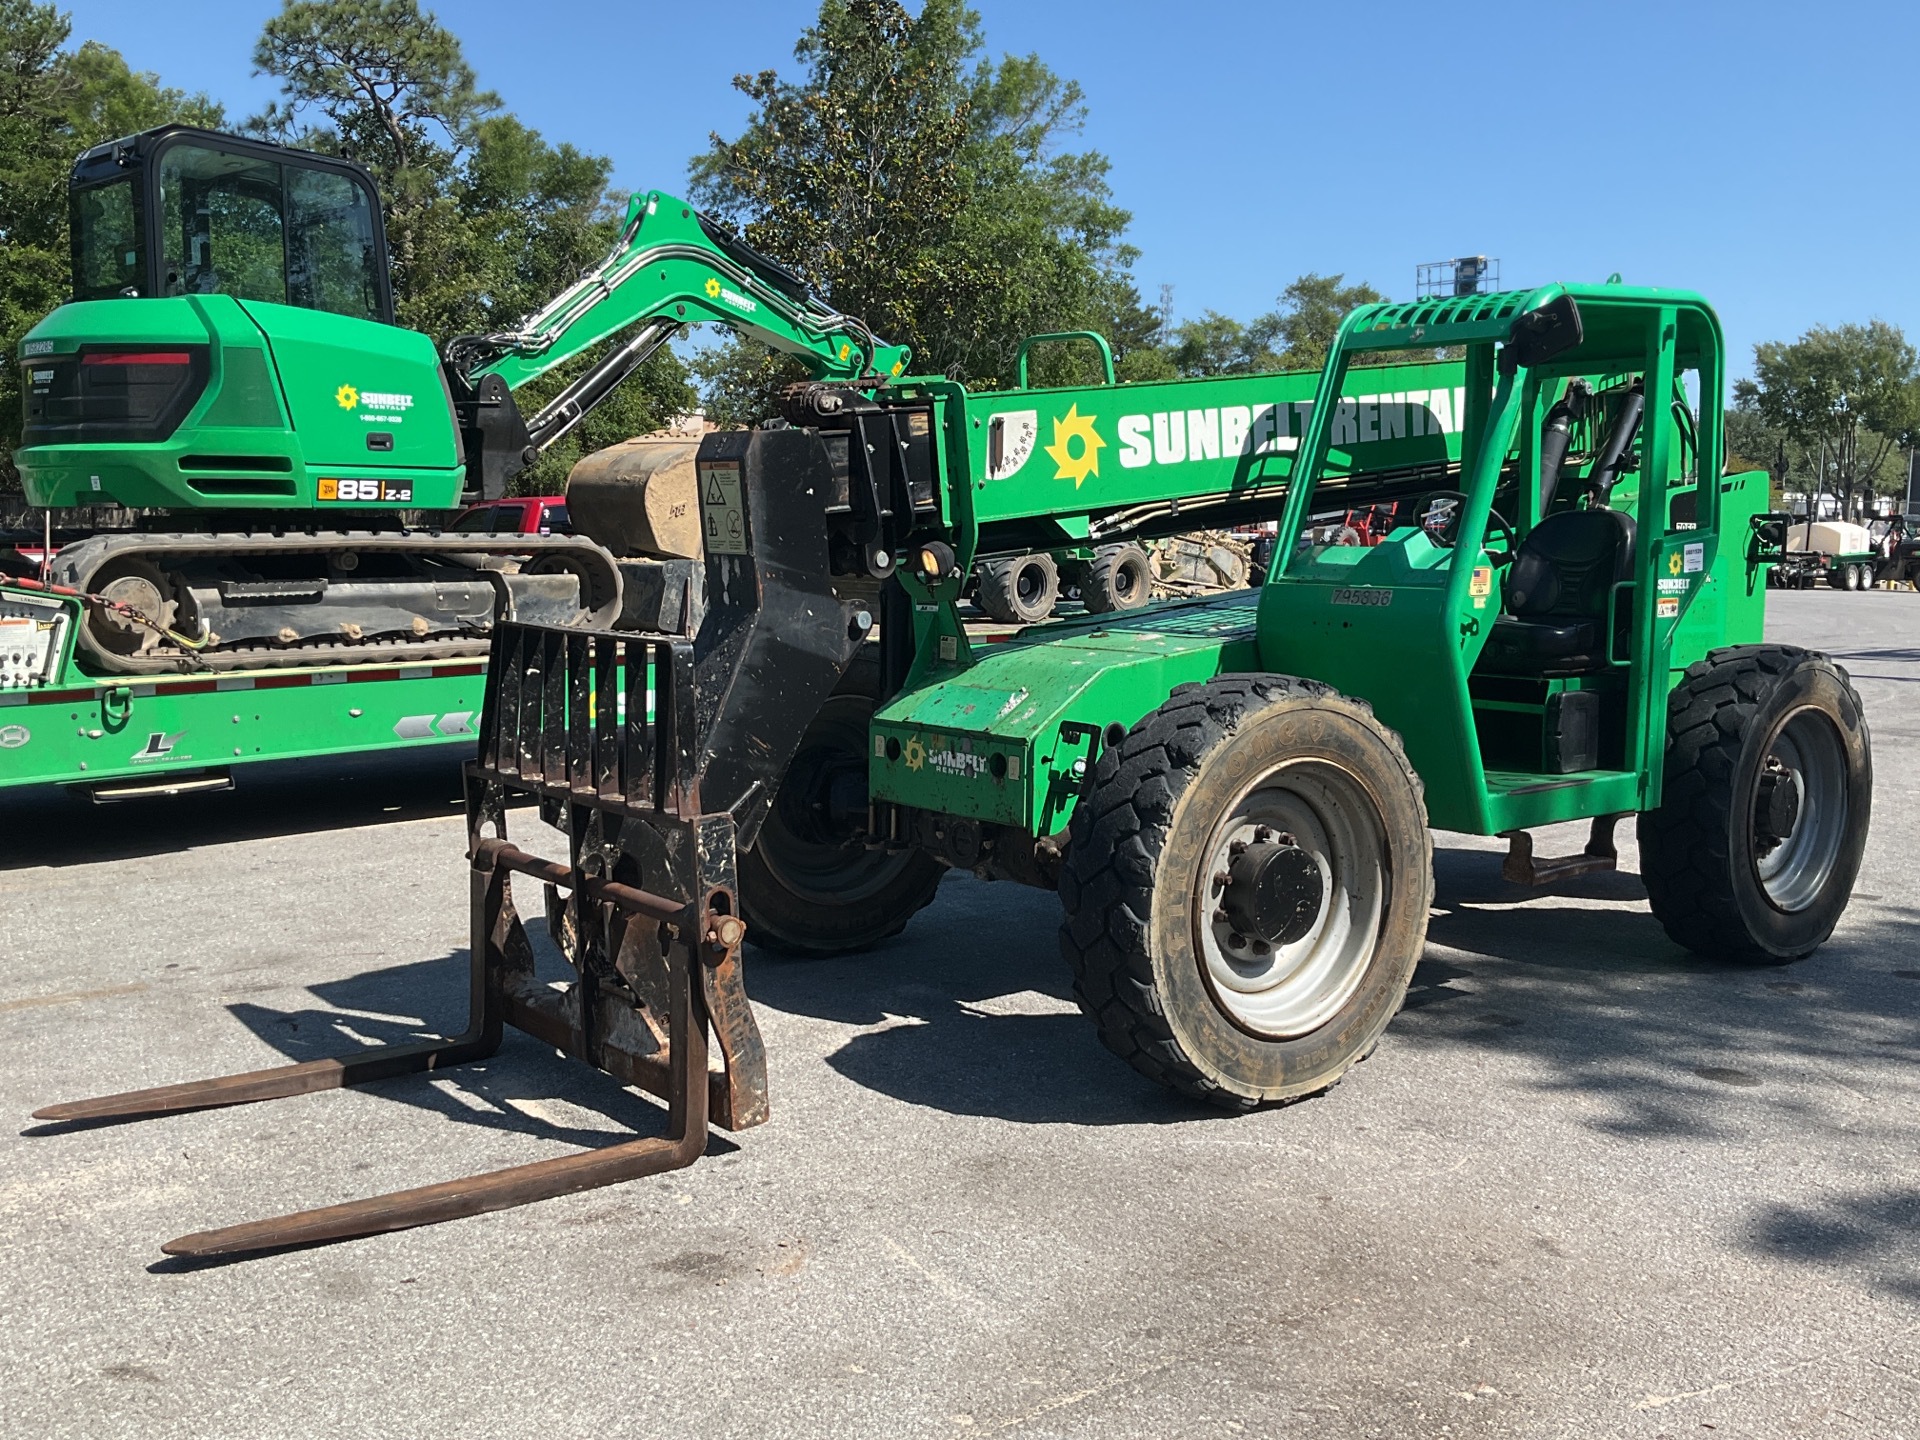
1539,335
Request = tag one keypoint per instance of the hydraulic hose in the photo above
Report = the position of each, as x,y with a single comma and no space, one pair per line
1626,426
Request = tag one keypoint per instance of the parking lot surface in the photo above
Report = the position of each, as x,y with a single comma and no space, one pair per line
1587,1186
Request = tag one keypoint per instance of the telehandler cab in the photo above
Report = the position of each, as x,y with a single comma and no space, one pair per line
1233,796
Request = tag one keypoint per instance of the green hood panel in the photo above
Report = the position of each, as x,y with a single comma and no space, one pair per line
1009,738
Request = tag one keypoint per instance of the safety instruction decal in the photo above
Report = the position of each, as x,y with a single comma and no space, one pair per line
725,516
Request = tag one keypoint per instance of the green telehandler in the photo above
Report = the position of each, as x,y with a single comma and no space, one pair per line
1233,796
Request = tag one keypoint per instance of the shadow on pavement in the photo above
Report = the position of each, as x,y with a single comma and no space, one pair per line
48,826
1603,1002
1876,1230
525,1087
970,1012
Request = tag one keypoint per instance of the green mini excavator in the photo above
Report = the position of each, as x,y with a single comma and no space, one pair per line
229,371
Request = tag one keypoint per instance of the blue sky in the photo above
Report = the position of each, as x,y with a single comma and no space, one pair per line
1762,153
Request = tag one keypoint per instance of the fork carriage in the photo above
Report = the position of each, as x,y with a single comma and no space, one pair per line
658,756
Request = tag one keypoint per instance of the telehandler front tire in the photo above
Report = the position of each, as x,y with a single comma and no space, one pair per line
1246,889
807,887
1020,589
1751,857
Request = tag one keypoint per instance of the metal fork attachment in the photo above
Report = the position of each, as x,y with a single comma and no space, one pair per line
657,756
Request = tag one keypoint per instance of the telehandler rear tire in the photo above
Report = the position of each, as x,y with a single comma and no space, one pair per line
806,887
1751,857
1119,577
1019,590
1246,889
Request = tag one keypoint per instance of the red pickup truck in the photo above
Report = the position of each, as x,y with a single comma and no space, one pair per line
520,515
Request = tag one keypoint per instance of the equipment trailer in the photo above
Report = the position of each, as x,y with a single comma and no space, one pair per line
1232,795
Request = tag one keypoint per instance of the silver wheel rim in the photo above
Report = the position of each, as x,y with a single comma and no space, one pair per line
1281,992
1796,870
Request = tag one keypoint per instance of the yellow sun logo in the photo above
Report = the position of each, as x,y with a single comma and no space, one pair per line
347,396
713,288
1067,429
916,754
1673,563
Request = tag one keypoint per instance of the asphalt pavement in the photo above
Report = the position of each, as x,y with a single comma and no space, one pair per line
1587,1186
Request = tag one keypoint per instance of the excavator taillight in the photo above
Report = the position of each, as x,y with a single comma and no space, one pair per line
116,393
138,357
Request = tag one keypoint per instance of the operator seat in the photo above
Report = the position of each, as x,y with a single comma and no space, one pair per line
1556,596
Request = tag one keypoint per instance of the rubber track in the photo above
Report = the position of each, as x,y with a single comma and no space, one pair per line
1106,884
1686,859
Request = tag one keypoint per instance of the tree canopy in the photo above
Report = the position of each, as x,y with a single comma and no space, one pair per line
486,221
54,103
1846,398
913,181
1295,335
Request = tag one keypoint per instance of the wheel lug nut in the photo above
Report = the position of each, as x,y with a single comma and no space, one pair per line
1223,877
1237,848
1220,916
1260,947
1262,833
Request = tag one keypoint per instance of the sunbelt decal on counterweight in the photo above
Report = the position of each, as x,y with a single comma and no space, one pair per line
1075,442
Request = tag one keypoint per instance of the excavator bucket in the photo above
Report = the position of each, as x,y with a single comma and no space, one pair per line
657,756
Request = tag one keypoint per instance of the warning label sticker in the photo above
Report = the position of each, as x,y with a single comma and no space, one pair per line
725,516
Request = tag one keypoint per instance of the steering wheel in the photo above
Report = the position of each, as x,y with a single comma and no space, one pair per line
1444,527
1497,521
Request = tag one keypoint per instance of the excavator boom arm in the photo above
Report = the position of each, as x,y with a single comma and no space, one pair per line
670,268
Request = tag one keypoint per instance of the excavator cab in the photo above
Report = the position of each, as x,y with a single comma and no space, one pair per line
183,211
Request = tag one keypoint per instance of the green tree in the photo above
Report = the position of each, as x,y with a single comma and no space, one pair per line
387,85
1847,399
1295,335
1754,444
924,188
54,103
1216,344
486,221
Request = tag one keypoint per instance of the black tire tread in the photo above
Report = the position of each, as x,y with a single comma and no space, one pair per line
1685,844
786,924
998,592
1098,591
